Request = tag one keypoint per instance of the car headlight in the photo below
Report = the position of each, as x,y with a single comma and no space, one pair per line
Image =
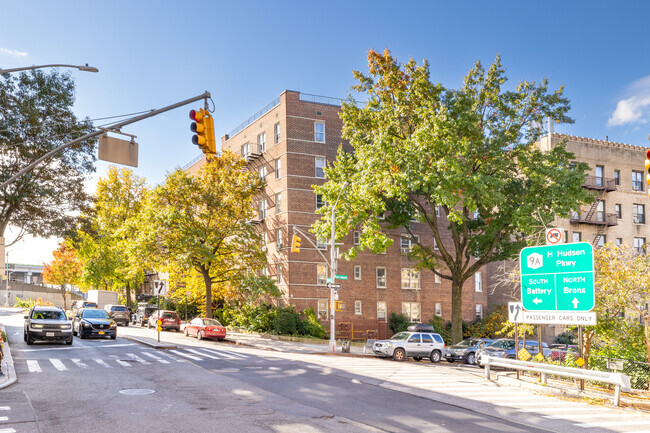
37,325
86,325
65,326
113,324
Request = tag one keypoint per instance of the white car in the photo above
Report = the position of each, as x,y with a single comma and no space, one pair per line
411,344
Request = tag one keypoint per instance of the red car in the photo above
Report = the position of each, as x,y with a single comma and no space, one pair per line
202,327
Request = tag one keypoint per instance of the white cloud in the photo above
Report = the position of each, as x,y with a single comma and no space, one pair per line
636,107
13,53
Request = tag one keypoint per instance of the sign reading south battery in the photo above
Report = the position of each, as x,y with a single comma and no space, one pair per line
558,277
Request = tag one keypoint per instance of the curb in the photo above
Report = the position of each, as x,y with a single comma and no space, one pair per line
8,361
153,344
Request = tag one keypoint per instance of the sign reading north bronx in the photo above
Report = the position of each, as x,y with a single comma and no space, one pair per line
558,277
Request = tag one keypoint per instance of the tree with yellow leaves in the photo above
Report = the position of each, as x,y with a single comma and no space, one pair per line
64,269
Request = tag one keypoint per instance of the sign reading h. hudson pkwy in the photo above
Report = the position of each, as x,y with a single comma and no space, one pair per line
558,277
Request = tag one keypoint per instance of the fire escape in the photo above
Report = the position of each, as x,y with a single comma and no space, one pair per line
596,215
252,154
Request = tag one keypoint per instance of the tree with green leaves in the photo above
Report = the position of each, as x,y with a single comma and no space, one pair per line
202,222
468,152
36,117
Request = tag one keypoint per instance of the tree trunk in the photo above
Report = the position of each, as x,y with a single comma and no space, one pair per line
456,311
586,346
65,305
208,293
128,294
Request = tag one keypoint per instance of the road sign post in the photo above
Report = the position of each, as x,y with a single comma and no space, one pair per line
558,277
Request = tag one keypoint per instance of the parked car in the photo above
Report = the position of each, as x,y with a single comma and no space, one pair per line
560,351
418,342
505,348
141,316
119,313
47,323
465,351
202,327
93,322
82,304
169,319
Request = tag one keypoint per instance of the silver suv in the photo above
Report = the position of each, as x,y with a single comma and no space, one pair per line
47,323
411,344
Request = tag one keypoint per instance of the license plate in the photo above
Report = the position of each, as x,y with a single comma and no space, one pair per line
49,334
101,332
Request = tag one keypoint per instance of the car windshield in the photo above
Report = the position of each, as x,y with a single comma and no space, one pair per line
468,343
503,344
94,314
400,336
49,315
169,315
118,308
211,322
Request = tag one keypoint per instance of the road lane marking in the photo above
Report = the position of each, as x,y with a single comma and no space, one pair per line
58,364
5,408
177,352
76,347
79,363
102,363
151,355
217,352
33,366
138,359
584,415
172,357
7,430
608,423
4,418
201,353
232,353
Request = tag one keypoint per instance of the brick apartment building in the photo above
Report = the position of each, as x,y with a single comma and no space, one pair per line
288,143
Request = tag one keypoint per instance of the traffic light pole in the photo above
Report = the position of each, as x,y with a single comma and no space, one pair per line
116,127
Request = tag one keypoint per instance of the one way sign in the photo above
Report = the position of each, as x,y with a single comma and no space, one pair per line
515,314
159,287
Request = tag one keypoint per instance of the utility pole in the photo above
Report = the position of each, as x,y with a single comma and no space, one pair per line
332,281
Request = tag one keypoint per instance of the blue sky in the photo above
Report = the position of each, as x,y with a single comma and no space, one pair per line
154,53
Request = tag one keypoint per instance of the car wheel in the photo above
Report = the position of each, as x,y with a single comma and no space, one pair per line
81,334
186,333
29,339
220,339
25,335
69,342
126,323
450,360
435,356
113,337
399,354
417,358
198,335
471,358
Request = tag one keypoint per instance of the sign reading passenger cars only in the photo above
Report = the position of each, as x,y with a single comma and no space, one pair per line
558,277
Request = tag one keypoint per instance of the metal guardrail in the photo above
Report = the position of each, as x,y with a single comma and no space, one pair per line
619,380
255,116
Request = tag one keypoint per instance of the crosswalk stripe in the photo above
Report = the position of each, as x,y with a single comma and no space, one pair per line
102,363
608,423
123,363
228,351
220,353
33,366
172,357
585,415
178,352
5,408
151,355
58,364
79,363
138,359
201,353
4,418
7,430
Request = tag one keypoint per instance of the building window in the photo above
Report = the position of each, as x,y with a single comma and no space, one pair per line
278,168
619,212
600,211
411,310
261,142
437,279
319,132
381,310
577,237
278,203
617,177
619,241
602,240
276,133
262,209
278,239
405,245
478,282
639,245
479,311
410,279
638,213
263,173
381,278
322,309
357,272
319,164
357,238
245,150
357,308
600,174
438,309
637,180
321,274
278,270
319,201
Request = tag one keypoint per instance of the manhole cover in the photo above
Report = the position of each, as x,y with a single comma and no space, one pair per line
137,391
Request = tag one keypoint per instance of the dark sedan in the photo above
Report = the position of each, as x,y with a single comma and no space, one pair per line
465,351
92,322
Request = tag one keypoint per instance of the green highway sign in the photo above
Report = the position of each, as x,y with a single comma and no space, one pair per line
558,277
340,277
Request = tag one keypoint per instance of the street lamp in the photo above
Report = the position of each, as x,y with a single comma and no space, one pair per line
333,271
84,68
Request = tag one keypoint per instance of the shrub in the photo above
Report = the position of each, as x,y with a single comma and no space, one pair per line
398,322
310,325
285,323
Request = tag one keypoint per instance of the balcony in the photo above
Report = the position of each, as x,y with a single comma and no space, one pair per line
600,183
597,218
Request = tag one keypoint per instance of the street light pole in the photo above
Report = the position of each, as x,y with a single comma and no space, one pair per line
333,270
84,68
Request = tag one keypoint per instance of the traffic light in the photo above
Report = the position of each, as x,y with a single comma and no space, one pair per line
295,244
647,167
203,127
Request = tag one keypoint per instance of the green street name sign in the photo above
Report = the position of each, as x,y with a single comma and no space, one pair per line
341,277
558,277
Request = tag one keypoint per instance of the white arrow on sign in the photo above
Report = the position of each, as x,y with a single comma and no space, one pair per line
575,302
536,301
